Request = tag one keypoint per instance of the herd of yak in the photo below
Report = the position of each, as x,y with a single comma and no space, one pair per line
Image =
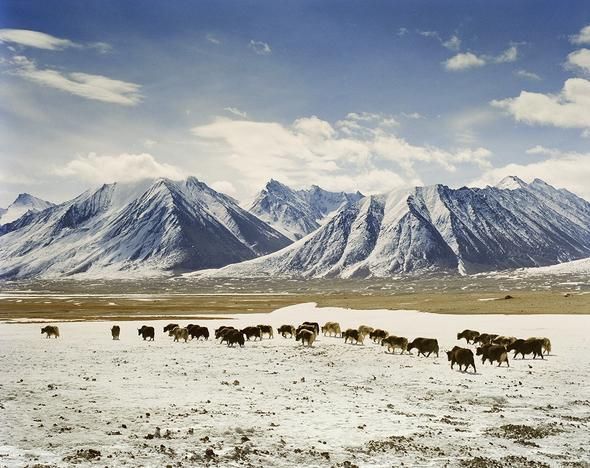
491,347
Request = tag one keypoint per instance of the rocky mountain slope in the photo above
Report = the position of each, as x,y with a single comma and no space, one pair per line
23,203
296,213
143,228
436,228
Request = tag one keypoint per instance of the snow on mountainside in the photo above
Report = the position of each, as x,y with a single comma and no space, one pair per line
296,213
23,203
576,267
143,228
437,228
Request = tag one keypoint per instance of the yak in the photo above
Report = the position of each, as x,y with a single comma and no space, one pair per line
504,340
378,335
331,329
394,342
425,346
196,331
180,334
365,330
170,326
532,346
221,330
352,334
461,356
285,330
315,325
252,332
50,330
546,343
468,335
305,336
493,353
146,332
485,338
233,337
266,330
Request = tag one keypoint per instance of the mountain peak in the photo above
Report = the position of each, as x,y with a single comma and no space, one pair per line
275,185
23,203
511,183
27,199
541,183
296,213
149,226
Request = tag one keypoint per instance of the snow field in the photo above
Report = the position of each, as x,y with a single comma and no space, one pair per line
276,403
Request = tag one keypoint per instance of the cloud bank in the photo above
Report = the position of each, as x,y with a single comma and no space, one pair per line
359,152
122,168
570,108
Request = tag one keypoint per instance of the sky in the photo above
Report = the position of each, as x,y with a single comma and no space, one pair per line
349,95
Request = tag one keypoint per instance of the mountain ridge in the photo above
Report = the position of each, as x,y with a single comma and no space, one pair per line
23,203
154,225
296,213
436,228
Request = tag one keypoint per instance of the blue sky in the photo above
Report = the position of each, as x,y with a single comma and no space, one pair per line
367,95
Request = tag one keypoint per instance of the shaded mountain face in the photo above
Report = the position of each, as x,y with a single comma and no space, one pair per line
296,213
23,204
141,228
437,228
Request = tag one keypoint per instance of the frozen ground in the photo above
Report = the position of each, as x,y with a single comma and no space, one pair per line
274,403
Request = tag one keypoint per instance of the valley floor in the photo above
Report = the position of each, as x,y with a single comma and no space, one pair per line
189,298
87,400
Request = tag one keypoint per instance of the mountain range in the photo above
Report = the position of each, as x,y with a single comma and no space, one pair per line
160,226
296,213
439,229
142,228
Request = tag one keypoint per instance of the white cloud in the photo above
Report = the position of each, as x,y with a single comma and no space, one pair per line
569,170
122,168
212,39
433,34
464,61
583,37
259,47
509,55
527,75
453,43
96,87
412,115
568,109
40,40
224,186
369,158
402,31
101,47
365,122
579,59
235,111
36,39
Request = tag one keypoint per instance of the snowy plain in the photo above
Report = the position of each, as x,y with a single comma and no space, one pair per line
276,403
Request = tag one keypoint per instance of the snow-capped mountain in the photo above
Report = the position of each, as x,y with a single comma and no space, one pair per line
23,203
296,213
437,228
146,227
